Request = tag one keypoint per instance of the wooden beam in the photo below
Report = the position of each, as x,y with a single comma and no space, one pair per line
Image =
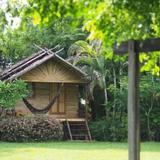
120,48
88,131
147,45
69,130
133,103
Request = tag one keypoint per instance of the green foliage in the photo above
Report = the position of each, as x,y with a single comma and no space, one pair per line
109,21
11,92
115,94
150,107
102,130
55,10
118,94
30,128
115,126
92,62
80,47
105,20
20,44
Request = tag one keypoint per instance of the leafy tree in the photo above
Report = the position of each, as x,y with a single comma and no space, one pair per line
109,21
18,44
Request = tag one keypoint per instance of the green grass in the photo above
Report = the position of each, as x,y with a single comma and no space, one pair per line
74,151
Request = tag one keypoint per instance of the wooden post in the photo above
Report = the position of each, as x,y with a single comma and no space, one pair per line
134,48
133,103
69,130
86,105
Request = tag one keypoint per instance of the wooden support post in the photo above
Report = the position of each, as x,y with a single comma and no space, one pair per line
69,130
86,101
133,103
88,131
134,47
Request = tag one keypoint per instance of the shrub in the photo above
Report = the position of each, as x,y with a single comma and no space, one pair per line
7,112
11,92
30,128
105,130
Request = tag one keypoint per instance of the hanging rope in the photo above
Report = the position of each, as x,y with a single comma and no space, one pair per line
45,109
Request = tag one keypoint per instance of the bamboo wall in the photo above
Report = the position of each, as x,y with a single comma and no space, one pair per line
65,107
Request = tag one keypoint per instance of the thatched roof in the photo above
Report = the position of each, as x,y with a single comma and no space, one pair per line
33,61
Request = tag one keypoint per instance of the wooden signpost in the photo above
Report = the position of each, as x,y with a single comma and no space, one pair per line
134,47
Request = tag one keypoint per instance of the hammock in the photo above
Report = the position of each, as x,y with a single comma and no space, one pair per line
45,109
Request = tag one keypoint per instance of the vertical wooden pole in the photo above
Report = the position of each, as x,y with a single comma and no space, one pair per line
69,130
86,105
133,103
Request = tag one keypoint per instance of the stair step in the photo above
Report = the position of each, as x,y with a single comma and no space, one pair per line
78,129
77,124
79,135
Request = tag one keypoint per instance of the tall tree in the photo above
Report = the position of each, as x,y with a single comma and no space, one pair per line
109,20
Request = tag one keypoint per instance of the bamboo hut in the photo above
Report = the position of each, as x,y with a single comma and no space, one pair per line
53,85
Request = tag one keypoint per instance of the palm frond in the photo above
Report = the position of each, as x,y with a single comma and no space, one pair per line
83,60
80,47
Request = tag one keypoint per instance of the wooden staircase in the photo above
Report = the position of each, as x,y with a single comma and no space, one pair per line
77,130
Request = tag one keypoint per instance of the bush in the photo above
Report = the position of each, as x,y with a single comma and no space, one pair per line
7,112
105,130
11,92
30,128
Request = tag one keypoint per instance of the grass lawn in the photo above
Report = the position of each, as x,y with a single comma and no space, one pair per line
74,151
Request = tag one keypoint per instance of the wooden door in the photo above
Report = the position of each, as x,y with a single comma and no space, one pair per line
59,105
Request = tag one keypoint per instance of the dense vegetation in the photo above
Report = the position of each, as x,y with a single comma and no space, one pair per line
114,127
30,129
98,25
10,93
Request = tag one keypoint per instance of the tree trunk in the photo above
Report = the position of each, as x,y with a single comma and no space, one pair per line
114,104
115,86
105,97
148,121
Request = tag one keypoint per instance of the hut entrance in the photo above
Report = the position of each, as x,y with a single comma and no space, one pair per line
59,106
